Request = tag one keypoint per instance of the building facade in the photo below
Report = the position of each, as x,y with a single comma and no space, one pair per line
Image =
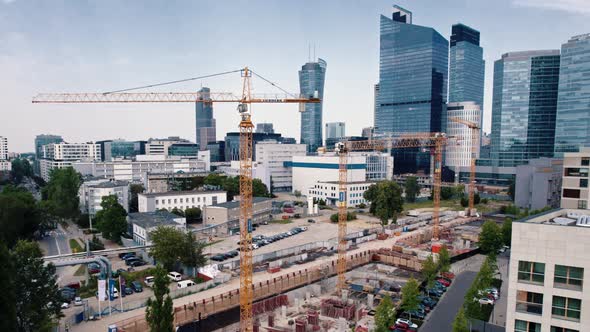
92,191
3,148
335,130
181,200
575,193
466,67
308,170
311,84
120,149
459,153
205,123
183,149
328,191
413,70
161,146
265,128
538,184
61,155
143,223
224,218
232,143
572,124
546,283
40,141
272,156
217,151
524,106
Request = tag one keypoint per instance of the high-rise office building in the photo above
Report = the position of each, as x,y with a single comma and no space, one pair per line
524,106
459,154
412,90
466,67
40,141
265,128
205,123
311,84
3,148
335,130
572,124
367,132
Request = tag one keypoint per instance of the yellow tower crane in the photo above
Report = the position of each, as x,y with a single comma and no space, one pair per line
436,141
244,101
474,143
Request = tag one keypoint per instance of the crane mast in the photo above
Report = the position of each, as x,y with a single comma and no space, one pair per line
474,143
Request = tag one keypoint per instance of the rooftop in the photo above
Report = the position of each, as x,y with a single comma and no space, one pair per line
179,193
153,219
109,184
561,217
348,183
235,204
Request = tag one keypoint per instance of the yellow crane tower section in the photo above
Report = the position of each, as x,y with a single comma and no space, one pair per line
474,143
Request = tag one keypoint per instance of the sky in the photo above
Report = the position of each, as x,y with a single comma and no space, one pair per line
98,46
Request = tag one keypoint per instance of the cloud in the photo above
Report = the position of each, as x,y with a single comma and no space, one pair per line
571,6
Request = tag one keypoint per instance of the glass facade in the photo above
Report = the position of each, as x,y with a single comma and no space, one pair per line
205,123
466,67
413,67
572,127
183,149
232,144
120,149
217,151
524,106
311,82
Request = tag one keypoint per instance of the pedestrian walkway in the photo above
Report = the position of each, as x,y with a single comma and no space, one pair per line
498,316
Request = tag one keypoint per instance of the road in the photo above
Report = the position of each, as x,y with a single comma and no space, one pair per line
498,316
57,243
441,318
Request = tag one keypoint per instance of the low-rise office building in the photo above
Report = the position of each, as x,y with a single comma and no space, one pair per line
5,166
575,193
538,184
271,156
181,200
92,191
309,170
225,217
62,155
142,223
546,282
329,192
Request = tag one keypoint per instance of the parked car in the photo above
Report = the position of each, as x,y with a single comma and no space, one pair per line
303,228
67,294
129,261
297,215
138,263
78,301
175,276
444,281
185,284
406,322
217,258
415,313
149,281
434,292
73,285
311,221
448,275
136,286
127,290
65,305
125,255
485,300
232,253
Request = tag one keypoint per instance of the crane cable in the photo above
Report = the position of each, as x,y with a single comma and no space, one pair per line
273,84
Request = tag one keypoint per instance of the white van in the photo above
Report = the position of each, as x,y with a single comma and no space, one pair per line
149,281
185,284
174,276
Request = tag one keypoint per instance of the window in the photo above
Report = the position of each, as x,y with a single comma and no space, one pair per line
175,201
568,277
586,161
192,200
524,326
582,204
214,200
579,172
529,302
169,201
531,272
566,308
181,200
583,183
561,329
571,193
156,202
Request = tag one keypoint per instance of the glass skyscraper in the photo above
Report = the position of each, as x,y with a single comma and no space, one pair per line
572,126
466,67
524,106
412,89
311,82
205,123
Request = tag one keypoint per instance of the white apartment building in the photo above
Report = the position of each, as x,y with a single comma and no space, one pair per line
3,148
574,192
5,166
309,170
181,200
159,146
272,157
61,155
143,223
258,171
458,154
546,283
92,191
136,170
329,192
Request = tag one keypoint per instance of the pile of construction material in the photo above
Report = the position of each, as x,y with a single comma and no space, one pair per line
336,308
269,304
397,257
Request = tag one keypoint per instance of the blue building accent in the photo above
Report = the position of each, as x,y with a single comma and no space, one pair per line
321,165
413,70
311,81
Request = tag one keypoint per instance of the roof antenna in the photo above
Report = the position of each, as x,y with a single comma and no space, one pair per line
309,52
314,59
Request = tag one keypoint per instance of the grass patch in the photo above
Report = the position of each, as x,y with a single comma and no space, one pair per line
454,204
281,221
89,289
212,243
75,246
81,270
137,275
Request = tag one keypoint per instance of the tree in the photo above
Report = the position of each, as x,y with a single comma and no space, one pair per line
349,216
8,291
192,255
111,219
259,189
460,324
507,231
384,315
134,189
214,179
429,271
490,238
20,216
193,214
177,212
159,313
511,190
297,193
38,302
444,259
410,293
386,201
459,190
446,193
476,198
20,169
62,192
411,188
464,201
168,246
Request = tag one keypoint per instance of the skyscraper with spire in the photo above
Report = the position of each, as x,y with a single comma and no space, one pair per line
311,83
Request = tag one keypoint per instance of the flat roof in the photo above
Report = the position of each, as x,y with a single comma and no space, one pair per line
109,184
352,182
235,204
560,217
153,219
186,192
